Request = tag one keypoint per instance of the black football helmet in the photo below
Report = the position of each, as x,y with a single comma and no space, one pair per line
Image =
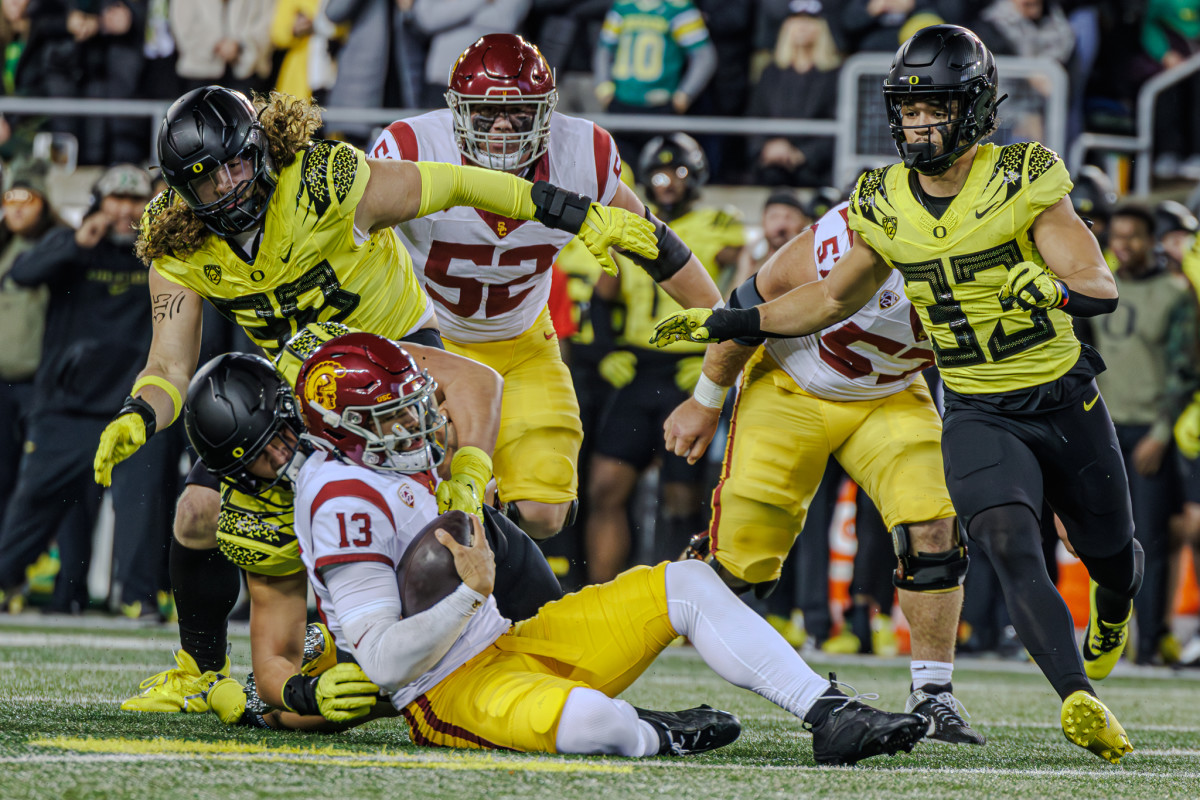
1093,196
213,153
676,151
236,404
947,64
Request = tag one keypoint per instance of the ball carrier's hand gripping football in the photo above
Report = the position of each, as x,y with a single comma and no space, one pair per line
450,550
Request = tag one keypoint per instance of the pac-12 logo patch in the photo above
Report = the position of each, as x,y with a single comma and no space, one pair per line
321,386
888,298
889,226
406,495
213,272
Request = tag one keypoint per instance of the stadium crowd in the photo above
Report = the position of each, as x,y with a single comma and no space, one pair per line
73,297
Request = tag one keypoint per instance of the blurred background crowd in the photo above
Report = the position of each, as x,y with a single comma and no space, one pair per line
780,98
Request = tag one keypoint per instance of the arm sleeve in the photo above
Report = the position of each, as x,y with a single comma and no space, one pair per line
394,651
1181,378
702,63
606,46
47,261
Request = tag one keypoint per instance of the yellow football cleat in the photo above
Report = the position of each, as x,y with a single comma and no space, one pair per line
1104,642
884,642
845,643
182,688
1088,723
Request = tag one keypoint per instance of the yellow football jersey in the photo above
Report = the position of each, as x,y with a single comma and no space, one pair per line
707,231
308,267
954,266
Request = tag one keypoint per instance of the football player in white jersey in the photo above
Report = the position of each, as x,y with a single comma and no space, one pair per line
460,673
489,277
854,392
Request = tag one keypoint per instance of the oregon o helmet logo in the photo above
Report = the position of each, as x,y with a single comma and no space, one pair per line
238,452
914,79
197,167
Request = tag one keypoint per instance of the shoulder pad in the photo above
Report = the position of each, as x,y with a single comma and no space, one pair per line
862,199
327,172
160,203
1041,158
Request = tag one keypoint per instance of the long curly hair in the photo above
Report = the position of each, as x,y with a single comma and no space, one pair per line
289,124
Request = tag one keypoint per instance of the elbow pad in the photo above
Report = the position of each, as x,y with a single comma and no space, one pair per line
673,254
747,296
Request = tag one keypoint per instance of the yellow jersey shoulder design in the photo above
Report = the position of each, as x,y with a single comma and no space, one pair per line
955,265
258,533
310,266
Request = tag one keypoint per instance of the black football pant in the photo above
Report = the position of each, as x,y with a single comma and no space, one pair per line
16,403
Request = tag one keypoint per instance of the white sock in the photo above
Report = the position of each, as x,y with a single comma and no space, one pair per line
925,673
594,724
737,643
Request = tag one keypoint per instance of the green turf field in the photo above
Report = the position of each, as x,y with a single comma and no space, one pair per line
62,736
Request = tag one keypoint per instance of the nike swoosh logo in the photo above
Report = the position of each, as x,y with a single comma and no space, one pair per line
1087,404
288,256
984,213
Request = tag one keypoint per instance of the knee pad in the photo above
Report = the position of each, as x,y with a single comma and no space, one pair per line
928,572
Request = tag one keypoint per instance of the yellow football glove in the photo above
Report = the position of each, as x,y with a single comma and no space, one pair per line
607,226
344,693
1031,286
687,372
470,471
121,438
1187,429
683,326
618,368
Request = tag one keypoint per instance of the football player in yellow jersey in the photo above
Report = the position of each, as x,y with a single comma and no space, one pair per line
278,230
994,258
243,421
651,383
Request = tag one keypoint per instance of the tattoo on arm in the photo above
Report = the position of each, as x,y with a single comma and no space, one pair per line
167,305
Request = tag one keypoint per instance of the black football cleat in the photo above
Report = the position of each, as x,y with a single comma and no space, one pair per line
851,730
945,714
693,730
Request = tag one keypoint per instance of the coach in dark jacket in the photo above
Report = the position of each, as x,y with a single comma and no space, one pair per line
97,329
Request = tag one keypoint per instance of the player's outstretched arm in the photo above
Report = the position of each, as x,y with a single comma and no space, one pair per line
157,395
470,397
803,310
690,428
402,190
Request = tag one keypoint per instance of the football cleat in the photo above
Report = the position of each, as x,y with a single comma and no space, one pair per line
845,643
181,688
693,730
854,730
945,714
1104,642
1088,723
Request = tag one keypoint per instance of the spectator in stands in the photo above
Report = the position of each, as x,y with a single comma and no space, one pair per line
1149,346
27,215
110,46
639,65
801,83
96,331
452,26
1170,33
784,217
223,41
566,32
1093,198
302,32
383,47
880,25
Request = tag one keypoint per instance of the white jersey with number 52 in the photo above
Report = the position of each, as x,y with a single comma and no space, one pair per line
489,276
877,351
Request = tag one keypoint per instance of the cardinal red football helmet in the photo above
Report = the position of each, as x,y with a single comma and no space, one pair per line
502,71
365,397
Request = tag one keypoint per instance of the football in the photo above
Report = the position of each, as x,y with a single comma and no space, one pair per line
426,571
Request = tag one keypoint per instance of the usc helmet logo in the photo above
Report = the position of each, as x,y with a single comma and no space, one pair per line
321,387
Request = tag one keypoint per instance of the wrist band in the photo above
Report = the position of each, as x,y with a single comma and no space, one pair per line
166,386
708,393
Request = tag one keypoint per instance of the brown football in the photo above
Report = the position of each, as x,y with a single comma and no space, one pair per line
426,571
